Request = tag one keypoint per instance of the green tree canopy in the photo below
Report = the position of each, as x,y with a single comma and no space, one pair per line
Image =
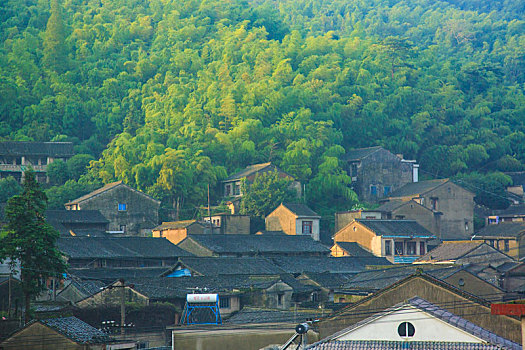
29,240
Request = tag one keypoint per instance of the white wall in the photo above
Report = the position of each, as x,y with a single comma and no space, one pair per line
315,227
428,328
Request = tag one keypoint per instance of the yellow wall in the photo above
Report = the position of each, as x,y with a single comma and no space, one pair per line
281,219
173,235
337,251
355,232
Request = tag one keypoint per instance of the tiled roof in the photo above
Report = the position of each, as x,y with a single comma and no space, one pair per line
88,287
119,247
77,330
296,264
210,266
104,189
513,210
174,225
437,312
249,170
405,228
518,177
178,287
360,153
354,249
390,205
238,244
301,209
504,229
376,279
76,216
416,188
399,345
255,315
21,148
451,250
329,280
112,274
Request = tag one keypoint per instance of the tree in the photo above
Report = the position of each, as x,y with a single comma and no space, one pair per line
8,188
57,172
267,191
55,56
29,240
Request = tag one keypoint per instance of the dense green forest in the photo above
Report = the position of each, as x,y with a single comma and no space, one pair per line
169,96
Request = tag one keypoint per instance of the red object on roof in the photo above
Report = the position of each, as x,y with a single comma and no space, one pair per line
508,309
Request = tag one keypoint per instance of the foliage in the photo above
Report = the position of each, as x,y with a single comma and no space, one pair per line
28,239
267,191
8,188
489,188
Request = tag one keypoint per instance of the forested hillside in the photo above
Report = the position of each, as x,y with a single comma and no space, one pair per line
173,95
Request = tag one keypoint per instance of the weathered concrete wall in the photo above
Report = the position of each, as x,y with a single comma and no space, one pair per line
457,206
381,169
141,212
281,219
112,297
474,285
479,314
245,339
422,215
344,218
235,224
360,234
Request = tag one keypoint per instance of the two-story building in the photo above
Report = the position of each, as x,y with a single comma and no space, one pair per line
129,211
453,203
400,241
17,156
294,219
377,172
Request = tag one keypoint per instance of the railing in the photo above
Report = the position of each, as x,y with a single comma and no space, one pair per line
21,168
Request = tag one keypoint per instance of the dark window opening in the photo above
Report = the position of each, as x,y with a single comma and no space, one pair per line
507,245
122,207
411,248
307,227
406,329
224,302
422,249
373,190
399,248
280,298
386,190
388,248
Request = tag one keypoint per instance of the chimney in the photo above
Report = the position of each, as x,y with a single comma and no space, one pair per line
415,172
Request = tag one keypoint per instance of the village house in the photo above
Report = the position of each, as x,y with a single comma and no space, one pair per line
414,324
327,264
515,192
453,300
229,224
376,172
94,252
514,213
465,252
65,333
294,219
177,231
253,245
17,156
78,222
129,212
453,203
507,236
400,241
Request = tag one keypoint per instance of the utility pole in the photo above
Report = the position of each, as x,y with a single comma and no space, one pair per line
10,298
209,210
122,306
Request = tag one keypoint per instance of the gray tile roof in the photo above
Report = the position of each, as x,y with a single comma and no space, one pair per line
360,153
105,188
300,209
437,312
296,264
416,188
329,280
253,244
119,247
354,249
250,170
518,177
450,251
256,315
76,216
77,330
175,225
504,229
21,148
112,274
210,266
400,345
513,210
396,228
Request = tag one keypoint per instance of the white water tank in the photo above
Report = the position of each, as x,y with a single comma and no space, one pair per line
202,298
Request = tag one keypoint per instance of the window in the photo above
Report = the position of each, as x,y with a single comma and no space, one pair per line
466,225
237,189
373,190
280,298
406,330
224,302
353,170
307,227
122,207
411,248
315,297
422,249
386,190
388,248
399,248
227,190
434,203
507,246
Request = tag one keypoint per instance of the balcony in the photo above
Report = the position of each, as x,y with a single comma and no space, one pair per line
21,168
